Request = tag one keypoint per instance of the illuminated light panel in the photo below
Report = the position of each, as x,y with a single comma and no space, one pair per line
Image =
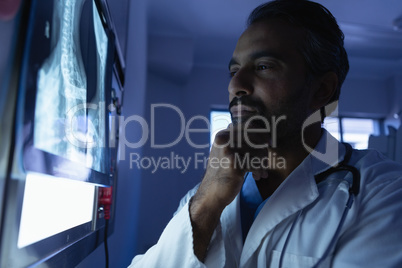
52,205
219,121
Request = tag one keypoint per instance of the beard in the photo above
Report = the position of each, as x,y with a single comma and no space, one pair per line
284,119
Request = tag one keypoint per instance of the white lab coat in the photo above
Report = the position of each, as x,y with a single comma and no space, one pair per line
371,235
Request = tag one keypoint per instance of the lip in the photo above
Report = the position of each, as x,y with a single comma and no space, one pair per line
240,110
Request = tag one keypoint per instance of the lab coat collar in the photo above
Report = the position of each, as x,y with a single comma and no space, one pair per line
297,191
328,153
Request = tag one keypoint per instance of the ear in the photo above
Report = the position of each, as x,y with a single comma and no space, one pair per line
324,88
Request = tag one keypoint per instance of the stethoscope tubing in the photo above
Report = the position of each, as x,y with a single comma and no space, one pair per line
353,191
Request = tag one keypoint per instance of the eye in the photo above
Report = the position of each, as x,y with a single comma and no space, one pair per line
264,66
232,72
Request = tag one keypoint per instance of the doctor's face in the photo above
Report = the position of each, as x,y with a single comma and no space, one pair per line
269,76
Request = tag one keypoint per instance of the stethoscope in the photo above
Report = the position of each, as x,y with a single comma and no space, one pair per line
353,192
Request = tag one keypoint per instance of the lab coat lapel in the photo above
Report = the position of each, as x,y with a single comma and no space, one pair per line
295,193
232,221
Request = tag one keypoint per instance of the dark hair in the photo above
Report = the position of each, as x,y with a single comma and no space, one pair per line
323,47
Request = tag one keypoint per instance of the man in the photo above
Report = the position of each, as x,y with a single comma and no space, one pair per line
322,207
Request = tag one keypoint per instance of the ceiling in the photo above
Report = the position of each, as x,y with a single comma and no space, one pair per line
373,45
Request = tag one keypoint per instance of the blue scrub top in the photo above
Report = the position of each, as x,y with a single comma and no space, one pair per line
251,203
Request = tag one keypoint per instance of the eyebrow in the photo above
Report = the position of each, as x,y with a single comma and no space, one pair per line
257,55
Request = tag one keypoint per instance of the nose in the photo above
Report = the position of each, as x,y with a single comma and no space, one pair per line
241,83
